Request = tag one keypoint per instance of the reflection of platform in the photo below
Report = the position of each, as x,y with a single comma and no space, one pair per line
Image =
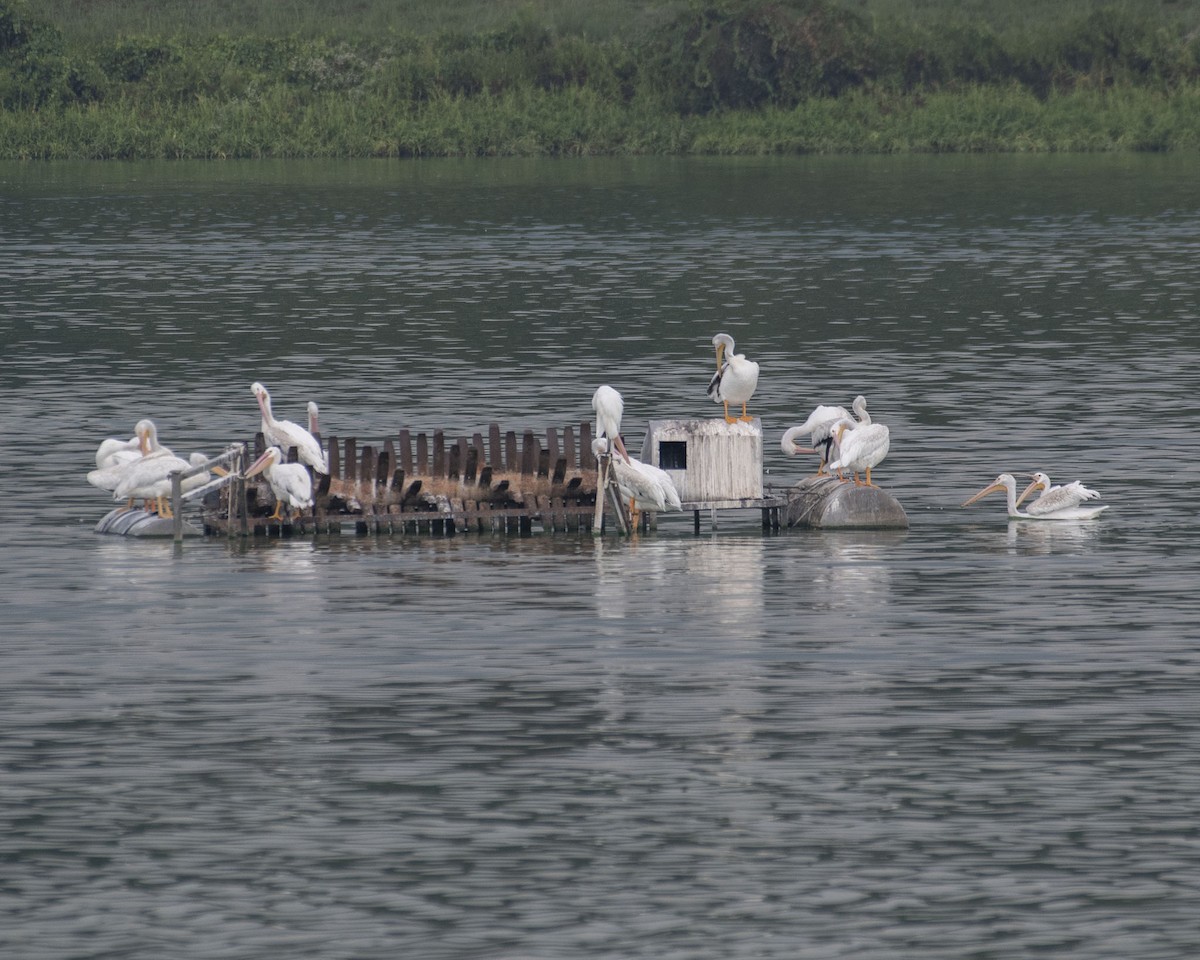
829,503
140,523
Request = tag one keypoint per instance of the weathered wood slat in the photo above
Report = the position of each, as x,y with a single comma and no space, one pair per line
511,463
439,454
351,460
335,458
406,455
422,465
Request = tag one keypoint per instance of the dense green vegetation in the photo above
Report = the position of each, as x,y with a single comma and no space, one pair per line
255,78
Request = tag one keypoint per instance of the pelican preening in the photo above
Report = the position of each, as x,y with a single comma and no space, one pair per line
609,407
290,482
861,446
285,434
735,379
1068,504
646,487
819,426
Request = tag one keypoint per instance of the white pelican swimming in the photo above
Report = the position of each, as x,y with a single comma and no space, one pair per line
861,446
1060,500
285,434
819,426
609,407
1008,484
290,482
150,479
314,417
645,486
735,379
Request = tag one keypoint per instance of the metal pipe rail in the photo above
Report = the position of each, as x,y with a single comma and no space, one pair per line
234,456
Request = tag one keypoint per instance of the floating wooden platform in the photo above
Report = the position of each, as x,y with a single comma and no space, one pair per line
506,483
425,483
828,503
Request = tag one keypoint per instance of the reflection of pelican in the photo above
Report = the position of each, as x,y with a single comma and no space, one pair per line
819,426
150,479
1006,483
290,482
735,379
1056,500
609,407
646,487
285,434
861,447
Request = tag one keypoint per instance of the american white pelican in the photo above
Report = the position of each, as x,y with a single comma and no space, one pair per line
285,434
150,479
290,482
314,417
1055,501
1008,484
609,407
645,486
735,379
860,447
146,435
819,426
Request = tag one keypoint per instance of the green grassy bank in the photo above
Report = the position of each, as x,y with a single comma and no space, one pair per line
371,78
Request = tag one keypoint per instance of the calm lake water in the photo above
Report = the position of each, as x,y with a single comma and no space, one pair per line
970,739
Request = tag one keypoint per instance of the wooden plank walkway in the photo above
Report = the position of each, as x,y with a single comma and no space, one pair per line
430,484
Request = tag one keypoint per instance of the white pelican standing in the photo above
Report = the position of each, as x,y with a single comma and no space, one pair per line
1008,484
150,479
290,482
735,379
860,447
609,407
819,426
1055,501
285,434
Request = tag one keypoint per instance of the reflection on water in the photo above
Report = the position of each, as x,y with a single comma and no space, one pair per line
972,738
1058,536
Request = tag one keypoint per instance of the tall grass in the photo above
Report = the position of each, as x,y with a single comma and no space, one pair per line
358,78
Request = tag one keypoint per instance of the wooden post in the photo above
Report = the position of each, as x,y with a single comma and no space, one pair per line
422,464
335,464
406,457
177,505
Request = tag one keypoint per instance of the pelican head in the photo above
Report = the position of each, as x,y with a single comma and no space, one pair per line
1003,482
1040,482
270,457
724,344
263,397
839,429
147,435
788,444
